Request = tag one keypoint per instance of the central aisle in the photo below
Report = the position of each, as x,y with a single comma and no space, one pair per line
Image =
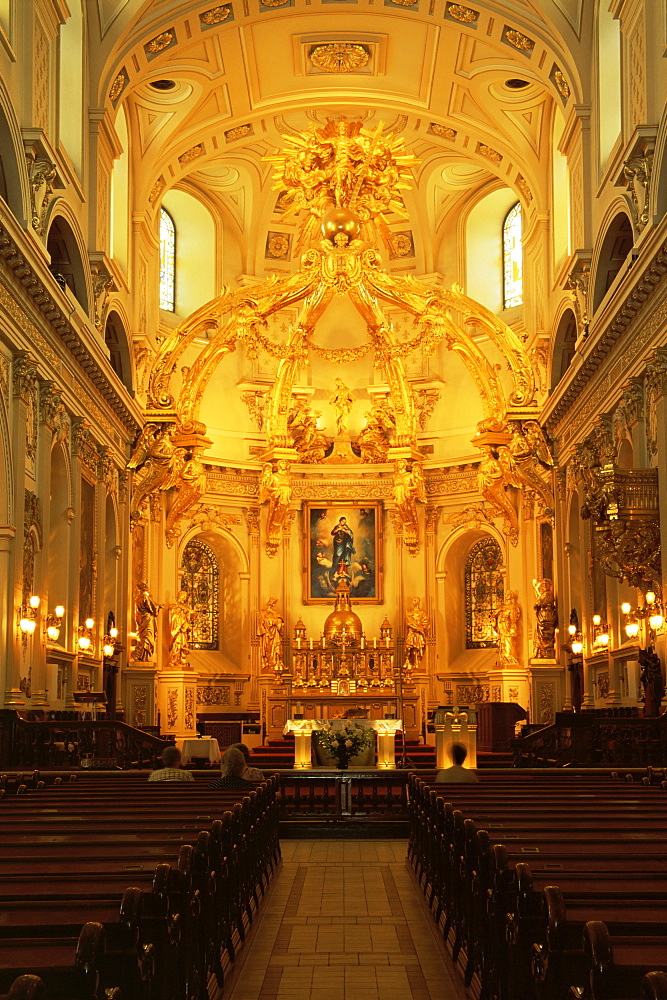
343,922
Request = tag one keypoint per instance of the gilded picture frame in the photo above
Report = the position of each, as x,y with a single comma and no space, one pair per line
338,533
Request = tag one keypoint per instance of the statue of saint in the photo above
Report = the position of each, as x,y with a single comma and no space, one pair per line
546,619
341,402
145,616
417,627
652,681
270,632
180,623
508,617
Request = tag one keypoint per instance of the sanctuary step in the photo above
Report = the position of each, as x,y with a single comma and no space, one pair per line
280,754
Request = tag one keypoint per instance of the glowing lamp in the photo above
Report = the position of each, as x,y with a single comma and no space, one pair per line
113,632
597,619
572,629
656,621
626,607
59,611
577,647
84,642
27,625
632,629
90,622
52,632
34,602
650,597
603,639
108,649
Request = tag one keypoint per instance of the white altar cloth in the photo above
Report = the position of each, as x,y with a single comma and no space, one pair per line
303,729
204,746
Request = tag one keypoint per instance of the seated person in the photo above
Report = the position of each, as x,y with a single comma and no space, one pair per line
250,773
457,772
232,769
171,769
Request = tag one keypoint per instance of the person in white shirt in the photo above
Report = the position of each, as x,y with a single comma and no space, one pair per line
171,769
457,772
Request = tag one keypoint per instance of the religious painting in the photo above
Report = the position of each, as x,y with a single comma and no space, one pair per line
342,541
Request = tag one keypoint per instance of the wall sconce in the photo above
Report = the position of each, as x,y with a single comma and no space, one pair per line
109,642
600,632
28,615
575,643
54,622
85,639
652,610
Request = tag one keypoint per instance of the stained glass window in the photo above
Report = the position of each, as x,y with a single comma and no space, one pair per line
167,262
484,590
199,579
512,258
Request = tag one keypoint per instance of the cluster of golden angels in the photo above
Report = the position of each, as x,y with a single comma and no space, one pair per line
341,180
181,620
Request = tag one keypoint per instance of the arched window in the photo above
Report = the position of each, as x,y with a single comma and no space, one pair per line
199,579
512,258
167,262
485,590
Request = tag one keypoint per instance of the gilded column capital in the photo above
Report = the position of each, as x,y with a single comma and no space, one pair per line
24,374
50,402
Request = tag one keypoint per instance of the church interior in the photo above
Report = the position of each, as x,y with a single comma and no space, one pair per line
333,365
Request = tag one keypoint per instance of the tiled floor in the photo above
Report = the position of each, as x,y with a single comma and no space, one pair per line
344,921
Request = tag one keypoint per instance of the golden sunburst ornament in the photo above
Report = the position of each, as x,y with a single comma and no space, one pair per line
339,57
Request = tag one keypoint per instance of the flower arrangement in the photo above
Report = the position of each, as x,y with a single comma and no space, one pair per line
345,743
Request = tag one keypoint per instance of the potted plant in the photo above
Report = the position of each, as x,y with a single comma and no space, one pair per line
344,744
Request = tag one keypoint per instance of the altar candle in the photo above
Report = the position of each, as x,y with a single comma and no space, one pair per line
375,644
387,642
298,643
311,643
363,642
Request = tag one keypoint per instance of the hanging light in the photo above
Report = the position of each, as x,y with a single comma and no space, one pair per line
632,629
577,646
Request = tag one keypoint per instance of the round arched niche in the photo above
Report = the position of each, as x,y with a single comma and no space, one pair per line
617,244
454,611
564,347
10,178
117,344
66,262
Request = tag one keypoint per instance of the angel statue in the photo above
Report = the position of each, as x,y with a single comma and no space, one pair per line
496,473
180,625
417,628
408,488
270,632
145,616
158,463
546,619
276,488
342,403
191,487
508,617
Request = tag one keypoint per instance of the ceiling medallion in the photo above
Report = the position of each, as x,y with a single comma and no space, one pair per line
215,15
274,3
489,152
339,57
561,83
402,244
238,132
160,42
278,245
191,154
518,40
118,85
461,13
443,131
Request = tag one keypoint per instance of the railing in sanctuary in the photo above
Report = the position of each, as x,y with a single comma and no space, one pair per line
593,739
75,744
344,793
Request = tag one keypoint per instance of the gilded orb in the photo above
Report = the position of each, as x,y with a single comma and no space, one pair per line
340,220
342,621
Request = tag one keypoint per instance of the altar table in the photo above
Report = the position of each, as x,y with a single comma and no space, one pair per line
204,746
303,729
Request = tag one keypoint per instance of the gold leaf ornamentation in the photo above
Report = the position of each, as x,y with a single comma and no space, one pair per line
191,154
274,3
561,83
341,355
160,42
156,190
461,13
443,131
339,57
117,86
522,185
216,15
405,3
238,132
401,244
489,152
278,245
518,40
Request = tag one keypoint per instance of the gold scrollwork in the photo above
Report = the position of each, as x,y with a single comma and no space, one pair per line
339,57
461,13
118,86
160,42
216,15
518,40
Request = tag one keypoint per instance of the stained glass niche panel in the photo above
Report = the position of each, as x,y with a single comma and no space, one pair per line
484,592
512,258
167,262
199,579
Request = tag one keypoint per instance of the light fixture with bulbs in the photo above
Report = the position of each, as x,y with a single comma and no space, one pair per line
28,615
54,622
651,612
109,642
600,632
575,643
85,640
